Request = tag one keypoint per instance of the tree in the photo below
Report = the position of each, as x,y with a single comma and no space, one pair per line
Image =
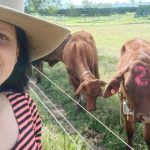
132,2
140,3
103,5
87,4
41,6
72,10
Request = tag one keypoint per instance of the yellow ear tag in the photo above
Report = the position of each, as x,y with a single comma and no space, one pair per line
113,91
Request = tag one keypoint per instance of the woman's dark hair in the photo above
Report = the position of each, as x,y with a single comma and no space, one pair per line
18,81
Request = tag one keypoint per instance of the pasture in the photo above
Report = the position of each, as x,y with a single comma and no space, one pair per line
110,33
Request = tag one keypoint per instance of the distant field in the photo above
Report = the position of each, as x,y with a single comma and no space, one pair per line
110,33
115,29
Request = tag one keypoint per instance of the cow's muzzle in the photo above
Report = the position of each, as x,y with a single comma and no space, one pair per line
91,105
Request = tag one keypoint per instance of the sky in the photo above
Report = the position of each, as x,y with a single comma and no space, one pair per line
79,2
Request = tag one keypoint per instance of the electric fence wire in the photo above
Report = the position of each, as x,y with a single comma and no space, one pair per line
55,118
60,113
84,108
45,127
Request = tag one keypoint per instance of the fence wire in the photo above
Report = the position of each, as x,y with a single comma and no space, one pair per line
72,127
55,118
84,108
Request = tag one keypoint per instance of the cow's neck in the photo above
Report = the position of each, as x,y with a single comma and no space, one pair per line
86,75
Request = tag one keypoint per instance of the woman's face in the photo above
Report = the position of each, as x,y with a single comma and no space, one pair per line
8,50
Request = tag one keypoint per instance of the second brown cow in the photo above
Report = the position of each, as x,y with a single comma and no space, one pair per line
132,80
81,60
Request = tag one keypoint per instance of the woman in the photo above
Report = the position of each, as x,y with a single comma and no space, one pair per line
22,38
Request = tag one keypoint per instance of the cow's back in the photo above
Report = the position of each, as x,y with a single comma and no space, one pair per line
136,49
80,51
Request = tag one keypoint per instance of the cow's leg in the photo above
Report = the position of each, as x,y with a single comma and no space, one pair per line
129,124
38,75
130,129
81,102
75,85
146,134
78,108
29,71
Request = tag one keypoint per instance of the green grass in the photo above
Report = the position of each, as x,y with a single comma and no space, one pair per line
53,136
109,33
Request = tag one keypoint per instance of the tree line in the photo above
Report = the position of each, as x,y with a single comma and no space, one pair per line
95,11
53,7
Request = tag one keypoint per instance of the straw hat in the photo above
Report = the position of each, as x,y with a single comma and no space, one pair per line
43,36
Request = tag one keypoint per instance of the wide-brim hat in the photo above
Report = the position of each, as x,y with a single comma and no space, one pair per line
43,36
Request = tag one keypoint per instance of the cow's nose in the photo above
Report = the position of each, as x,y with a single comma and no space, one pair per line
91,108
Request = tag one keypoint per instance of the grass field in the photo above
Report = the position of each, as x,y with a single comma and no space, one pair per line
109,33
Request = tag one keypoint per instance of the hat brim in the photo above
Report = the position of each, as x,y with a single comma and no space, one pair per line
43,36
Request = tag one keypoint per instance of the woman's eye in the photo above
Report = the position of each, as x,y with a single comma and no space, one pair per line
3,37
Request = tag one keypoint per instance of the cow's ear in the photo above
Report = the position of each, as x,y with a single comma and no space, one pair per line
81,86
113,86
123,50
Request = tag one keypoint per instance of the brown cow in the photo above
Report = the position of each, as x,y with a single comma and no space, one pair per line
132,80
80,58
52,58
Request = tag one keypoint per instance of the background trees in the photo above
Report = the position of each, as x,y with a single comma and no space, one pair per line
42,6
88,8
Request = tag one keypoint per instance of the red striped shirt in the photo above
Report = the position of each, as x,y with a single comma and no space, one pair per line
28,120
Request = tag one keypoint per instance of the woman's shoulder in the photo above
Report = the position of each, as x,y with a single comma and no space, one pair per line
21,99
16,96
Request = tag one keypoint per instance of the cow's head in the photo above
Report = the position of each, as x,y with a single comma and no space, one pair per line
91,89
134,82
